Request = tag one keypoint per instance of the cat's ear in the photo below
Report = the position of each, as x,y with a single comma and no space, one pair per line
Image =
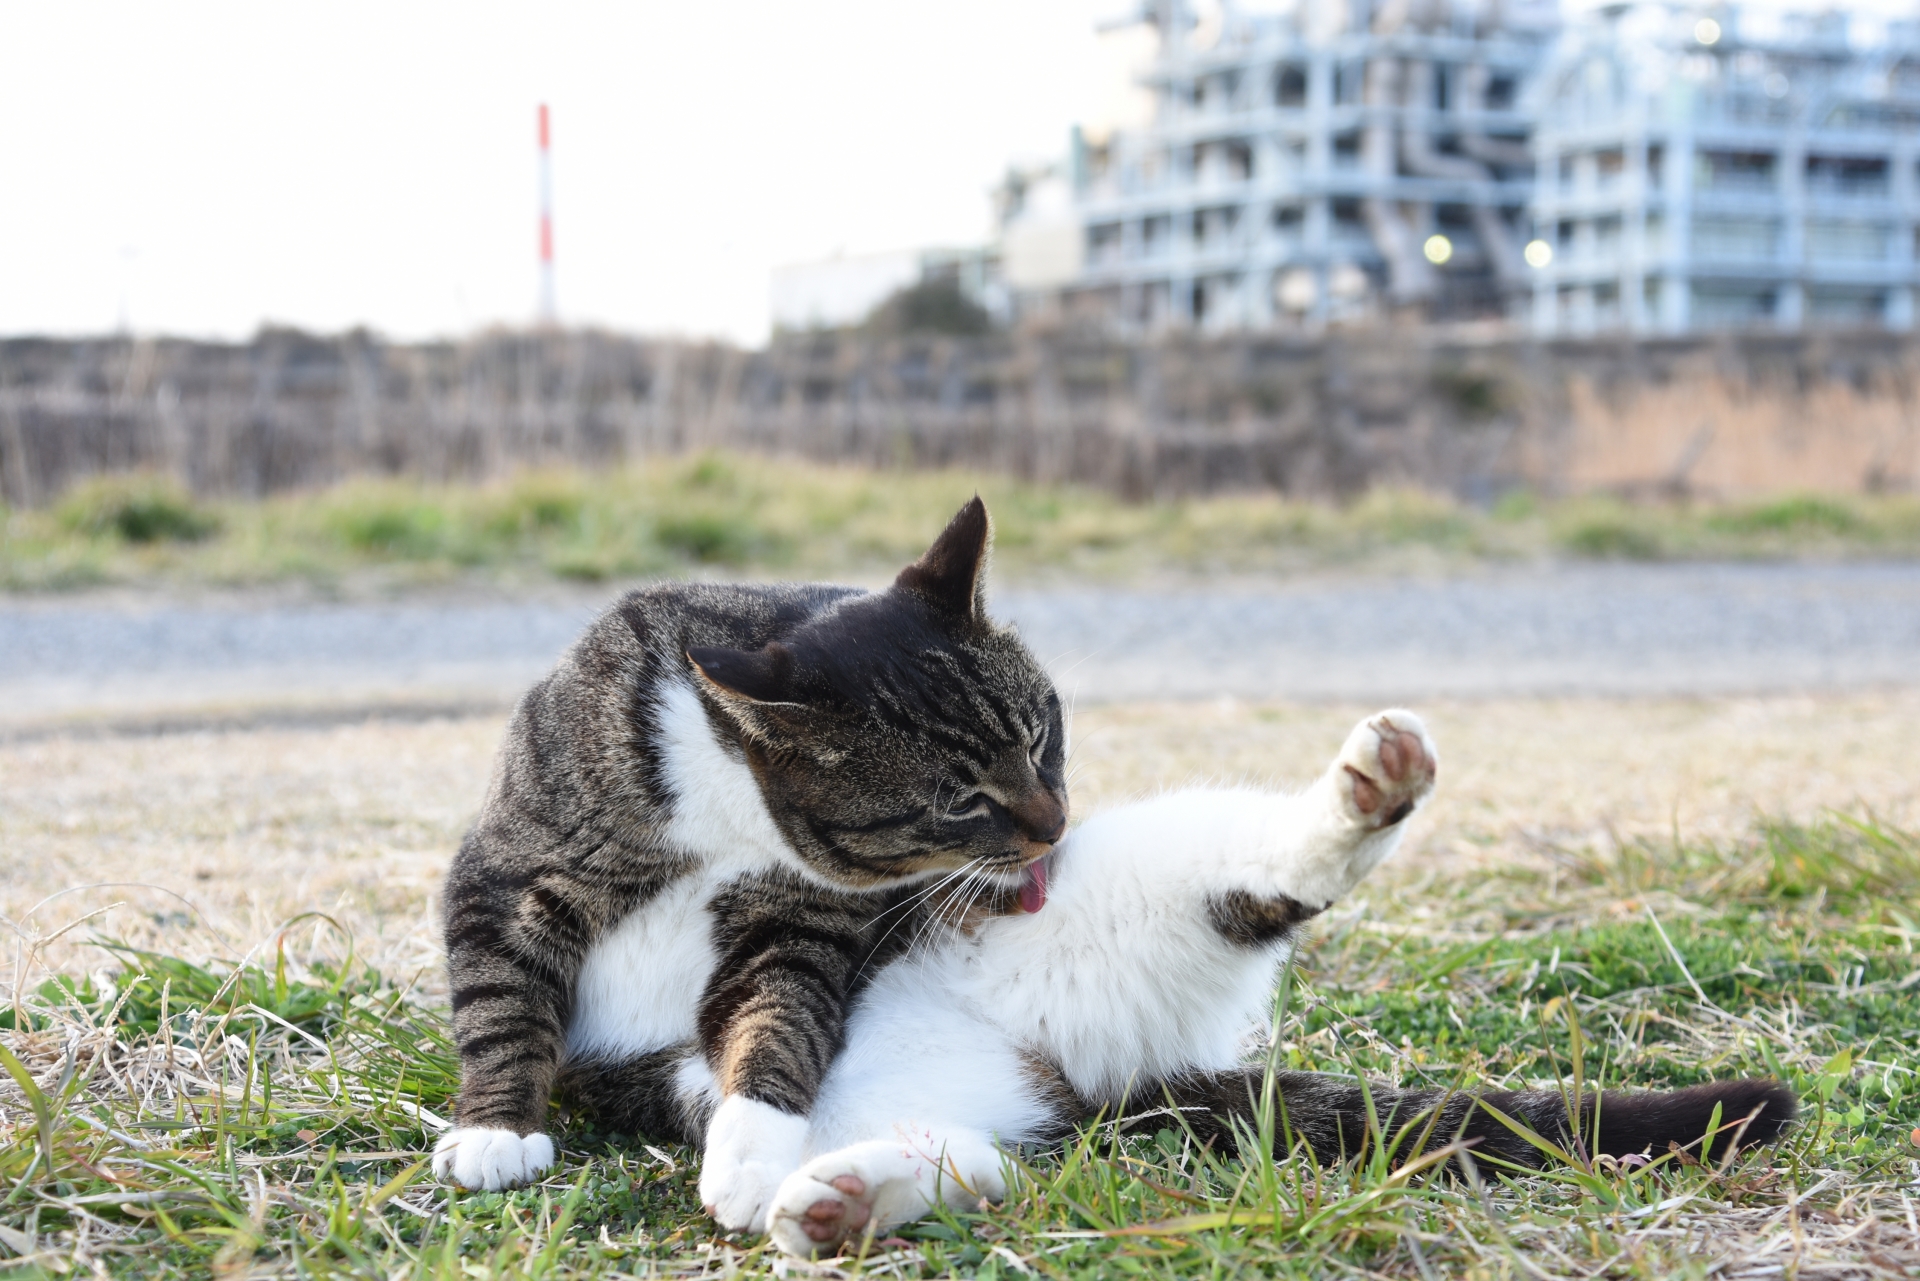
952,576
760,675
755,689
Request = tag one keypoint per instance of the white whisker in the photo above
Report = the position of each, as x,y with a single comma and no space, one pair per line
905,904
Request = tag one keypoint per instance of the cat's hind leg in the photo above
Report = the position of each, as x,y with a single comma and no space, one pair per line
667,1094
1351,818
1390,763
869,1188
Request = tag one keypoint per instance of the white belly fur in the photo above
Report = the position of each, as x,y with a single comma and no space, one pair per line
639,988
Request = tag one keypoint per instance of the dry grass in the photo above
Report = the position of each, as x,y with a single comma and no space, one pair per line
786,518
180,1124
252,826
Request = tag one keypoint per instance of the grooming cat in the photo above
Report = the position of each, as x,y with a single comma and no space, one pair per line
706,829
1153,955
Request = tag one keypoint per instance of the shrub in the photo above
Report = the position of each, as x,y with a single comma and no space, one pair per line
1516,505
708,537
538,504
409,530
1610,538
1399,516
930,307
136,509
1476,397
1801,513
711,471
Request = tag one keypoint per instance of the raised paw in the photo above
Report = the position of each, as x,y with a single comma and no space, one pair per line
1389,762
812,1217
484,1158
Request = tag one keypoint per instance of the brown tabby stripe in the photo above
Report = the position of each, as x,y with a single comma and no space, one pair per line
1062,1103
639,1095
1255,920
772,1017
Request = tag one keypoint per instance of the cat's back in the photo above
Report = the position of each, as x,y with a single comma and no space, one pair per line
593,727
643,637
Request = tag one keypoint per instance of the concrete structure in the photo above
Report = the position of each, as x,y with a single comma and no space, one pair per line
1699,168
1712,168
1341,159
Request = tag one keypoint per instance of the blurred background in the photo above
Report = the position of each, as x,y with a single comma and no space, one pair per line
1311,354
1420,345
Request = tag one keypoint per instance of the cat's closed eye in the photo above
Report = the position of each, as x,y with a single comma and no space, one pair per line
978,805
1039,748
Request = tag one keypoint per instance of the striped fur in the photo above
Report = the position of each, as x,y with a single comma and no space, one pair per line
809,759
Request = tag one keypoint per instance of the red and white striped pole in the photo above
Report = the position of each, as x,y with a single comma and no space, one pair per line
549,311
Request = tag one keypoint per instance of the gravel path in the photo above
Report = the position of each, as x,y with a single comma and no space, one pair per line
1617,630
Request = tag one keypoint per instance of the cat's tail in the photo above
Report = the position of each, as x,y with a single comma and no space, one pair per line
1338,1117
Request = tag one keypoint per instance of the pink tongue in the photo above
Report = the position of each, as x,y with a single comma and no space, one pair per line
1033,891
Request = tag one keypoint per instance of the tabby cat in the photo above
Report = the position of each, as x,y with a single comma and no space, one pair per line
1154,956
707,828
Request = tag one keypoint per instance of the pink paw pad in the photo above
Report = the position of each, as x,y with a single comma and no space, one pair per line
833,1221
1403,770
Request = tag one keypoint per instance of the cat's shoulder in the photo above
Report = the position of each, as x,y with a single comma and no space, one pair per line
674,615
644,634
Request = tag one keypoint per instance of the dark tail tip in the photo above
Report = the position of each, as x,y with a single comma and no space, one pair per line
1752,1111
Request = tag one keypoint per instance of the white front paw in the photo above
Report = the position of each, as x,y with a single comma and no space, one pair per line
484,1158
751,1147
1387,768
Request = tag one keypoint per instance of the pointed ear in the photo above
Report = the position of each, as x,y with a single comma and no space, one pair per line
952,576
762,675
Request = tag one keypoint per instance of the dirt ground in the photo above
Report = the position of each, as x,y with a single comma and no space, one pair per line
207,841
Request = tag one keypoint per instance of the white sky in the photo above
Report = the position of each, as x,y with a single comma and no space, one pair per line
206,167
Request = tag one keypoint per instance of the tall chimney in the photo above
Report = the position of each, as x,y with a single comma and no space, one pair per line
549,312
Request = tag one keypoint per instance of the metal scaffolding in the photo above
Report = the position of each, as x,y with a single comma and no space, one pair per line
1713,168
1698,167
1344,159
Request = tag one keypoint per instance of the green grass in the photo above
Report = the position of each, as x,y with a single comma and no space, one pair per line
735,514
270,1115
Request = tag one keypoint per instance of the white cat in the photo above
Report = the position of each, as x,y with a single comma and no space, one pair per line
1154,955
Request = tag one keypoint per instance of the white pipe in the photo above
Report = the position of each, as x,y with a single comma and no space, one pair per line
1409,276
1418,154
1495,151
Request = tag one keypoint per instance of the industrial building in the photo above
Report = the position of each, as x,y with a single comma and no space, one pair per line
1637,168
1719,168
1330,162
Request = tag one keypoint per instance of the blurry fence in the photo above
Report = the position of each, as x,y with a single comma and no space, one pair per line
1174,416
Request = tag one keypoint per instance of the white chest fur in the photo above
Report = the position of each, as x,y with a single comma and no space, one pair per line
718,812
1121,978
639,988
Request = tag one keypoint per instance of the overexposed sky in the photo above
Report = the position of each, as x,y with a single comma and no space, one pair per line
202,168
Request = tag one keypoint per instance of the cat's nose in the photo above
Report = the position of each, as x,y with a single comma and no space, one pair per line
1041,817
